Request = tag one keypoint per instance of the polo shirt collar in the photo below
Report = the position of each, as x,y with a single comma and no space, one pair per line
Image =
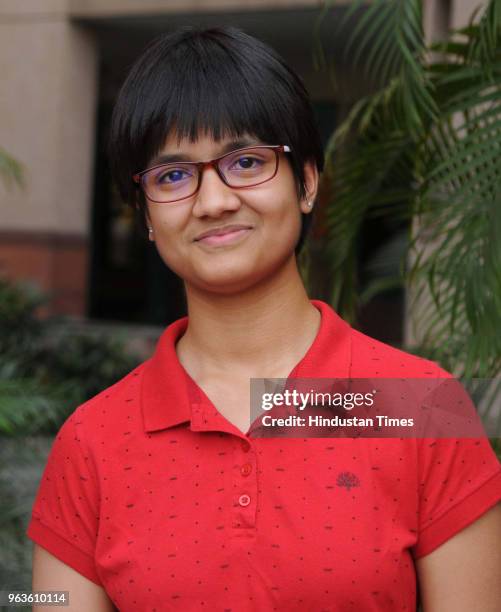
169,396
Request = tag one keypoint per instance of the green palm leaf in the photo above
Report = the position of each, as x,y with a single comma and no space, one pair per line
426,146
11,171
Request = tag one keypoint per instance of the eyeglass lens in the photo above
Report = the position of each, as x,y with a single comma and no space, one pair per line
178,180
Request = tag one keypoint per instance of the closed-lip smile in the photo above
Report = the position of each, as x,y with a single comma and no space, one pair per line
221,231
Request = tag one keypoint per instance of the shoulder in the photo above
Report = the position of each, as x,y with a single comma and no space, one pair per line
110,409
371,357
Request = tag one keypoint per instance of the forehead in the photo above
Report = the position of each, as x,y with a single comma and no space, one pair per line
205,146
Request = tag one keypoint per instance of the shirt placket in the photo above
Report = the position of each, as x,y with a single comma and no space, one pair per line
245,489
244,498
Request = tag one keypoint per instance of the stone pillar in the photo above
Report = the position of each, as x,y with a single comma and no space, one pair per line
47,118
461,11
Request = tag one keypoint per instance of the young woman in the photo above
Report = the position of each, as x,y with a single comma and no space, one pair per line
155,495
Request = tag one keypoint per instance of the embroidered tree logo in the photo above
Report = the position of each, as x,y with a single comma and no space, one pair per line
347,480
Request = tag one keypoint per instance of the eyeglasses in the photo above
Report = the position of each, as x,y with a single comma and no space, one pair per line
248,167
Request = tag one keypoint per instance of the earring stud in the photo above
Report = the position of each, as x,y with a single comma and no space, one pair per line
310,204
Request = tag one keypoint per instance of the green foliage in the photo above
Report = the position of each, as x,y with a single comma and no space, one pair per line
425,149
20,329
46,371
21,467
11,171
30,406
87,363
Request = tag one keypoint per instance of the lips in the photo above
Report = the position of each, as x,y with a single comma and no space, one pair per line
221,231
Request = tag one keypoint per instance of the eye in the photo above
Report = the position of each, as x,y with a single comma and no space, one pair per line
173,175
246,162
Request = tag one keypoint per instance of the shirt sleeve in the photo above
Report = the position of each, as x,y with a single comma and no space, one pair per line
65,514
459,480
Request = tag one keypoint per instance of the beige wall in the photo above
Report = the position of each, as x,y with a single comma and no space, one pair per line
31,8
461,11
47,109
101,8
47,114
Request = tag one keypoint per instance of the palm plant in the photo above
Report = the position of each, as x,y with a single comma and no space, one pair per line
423,150
21,464
46,370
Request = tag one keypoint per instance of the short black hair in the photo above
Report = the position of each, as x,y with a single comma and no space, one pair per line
218,81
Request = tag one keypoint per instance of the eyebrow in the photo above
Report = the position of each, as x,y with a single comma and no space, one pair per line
167,158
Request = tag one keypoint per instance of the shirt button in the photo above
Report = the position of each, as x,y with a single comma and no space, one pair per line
246,469
245,446
244,500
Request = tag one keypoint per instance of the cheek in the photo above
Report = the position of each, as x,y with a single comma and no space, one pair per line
174,255
286,224
169,231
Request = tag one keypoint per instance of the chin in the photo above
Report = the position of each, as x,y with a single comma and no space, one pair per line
225,284
225,279
238,278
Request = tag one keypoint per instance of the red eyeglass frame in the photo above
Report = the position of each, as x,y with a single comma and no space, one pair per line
201,165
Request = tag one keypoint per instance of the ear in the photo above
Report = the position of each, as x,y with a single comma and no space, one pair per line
311,182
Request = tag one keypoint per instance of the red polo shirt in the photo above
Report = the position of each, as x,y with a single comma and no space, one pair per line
150,492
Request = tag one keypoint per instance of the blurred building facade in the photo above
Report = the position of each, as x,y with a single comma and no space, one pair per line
62,63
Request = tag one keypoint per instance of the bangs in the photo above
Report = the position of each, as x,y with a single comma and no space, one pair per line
206,90
217,82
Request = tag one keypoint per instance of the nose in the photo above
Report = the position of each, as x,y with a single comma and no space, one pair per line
214,197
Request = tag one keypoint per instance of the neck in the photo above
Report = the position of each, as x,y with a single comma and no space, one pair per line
263,331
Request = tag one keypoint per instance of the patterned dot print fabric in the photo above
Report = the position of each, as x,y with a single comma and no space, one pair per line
151,493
